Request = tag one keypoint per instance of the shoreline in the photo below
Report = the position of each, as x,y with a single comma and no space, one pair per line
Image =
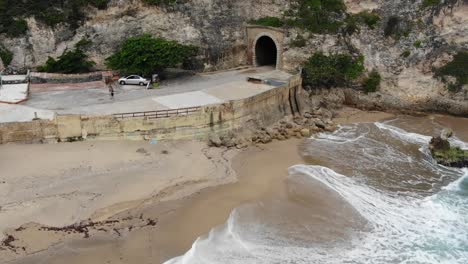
158,227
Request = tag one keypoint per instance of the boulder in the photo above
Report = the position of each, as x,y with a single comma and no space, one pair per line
214,141
319,123
445,154
305,132
266,139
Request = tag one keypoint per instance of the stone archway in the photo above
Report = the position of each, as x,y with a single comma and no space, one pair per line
265,46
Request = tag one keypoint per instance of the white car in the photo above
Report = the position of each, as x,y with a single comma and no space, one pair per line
133,79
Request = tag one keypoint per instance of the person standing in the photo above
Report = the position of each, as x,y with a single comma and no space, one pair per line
111,90
110,87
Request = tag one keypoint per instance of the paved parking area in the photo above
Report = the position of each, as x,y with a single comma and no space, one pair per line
198,90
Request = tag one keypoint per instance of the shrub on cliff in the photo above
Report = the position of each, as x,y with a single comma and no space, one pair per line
372,83
73,61
159,2
457,68
317,16
5,55
146,55
332,71
268,21
353,22
429,3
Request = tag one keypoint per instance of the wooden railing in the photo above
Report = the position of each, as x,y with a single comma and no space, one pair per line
159,113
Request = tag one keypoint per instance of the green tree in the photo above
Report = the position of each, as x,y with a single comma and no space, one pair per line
146,55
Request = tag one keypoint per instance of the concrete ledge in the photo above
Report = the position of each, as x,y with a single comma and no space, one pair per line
42,77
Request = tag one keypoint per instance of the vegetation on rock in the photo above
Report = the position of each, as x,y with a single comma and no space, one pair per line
50,12
454,157
299,42
72,61
445,154
429,3
417,44
332,70
159,2
146,55
5,55
372,83
317,16
406,53
354,22
268,21
457,68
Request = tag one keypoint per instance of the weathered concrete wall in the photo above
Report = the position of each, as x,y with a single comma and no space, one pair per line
42,77
35,131
263,109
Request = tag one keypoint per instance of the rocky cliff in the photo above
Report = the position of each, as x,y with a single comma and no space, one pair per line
431,37
217,26
435,34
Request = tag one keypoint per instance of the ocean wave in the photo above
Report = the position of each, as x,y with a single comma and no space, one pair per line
399,228
402,230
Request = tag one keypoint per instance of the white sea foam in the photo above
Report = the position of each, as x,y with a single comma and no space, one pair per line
402,228
404,135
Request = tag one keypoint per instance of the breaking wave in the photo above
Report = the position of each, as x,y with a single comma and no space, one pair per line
385,202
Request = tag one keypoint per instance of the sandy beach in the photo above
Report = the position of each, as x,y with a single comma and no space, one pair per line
131,202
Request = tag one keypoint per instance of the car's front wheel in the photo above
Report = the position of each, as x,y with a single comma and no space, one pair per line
122,82
142,83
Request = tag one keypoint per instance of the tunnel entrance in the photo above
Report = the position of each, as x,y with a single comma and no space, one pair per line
266,52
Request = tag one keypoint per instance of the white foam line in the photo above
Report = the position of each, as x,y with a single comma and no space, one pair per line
402,134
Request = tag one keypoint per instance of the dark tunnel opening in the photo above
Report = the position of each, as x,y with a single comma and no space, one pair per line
266,51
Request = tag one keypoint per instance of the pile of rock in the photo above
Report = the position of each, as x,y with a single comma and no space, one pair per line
289,127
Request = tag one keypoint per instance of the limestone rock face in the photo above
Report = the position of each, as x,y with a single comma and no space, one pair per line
439,31
217,26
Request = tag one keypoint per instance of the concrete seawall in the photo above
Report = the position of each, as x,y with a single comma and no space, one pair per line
263,109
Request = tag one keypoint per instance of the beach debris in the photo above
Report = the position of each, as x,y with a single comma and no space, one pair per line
7,243
142,151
